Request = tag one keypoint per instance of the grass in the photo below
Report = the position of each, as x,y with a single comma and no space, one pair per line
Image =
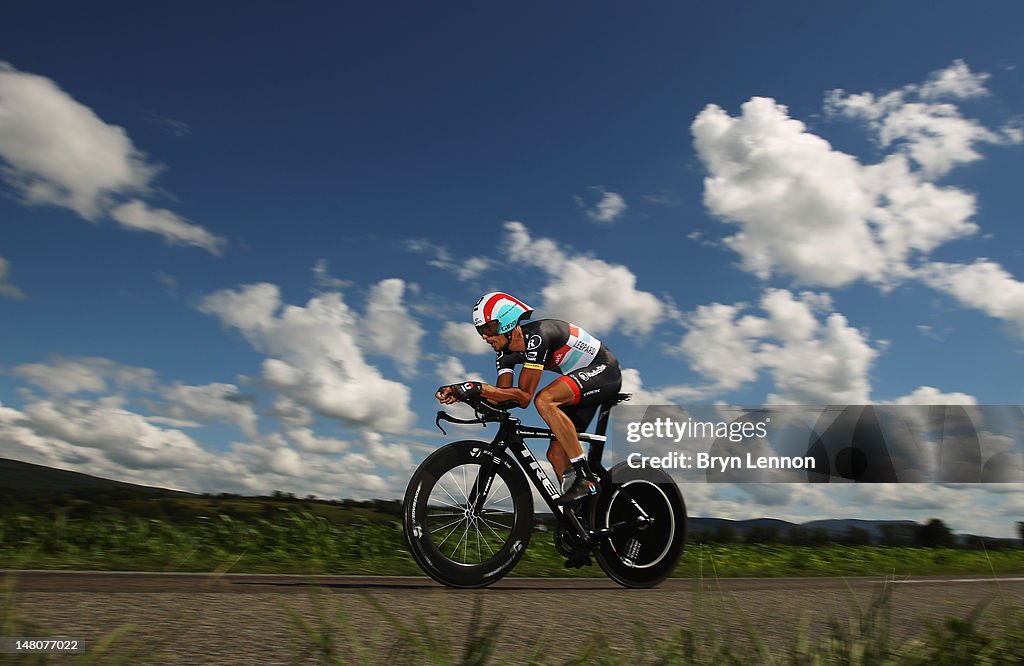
863,638
304,543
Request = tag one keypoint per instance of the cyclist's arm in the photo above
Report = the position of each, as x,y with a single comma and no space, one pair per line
529,378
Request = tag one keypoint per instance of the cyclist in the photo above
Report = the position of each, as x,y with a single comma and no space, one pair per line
589,373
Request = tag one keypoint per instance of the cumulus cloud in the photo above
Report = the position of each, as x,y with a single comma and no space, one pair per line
104,436
984,285
68,376
212,402
450,370
633,384
6,287
932,133
814,213
463,338
59,152
138,216
313,355
595,294
821,216
811,361
929,395
388,327
123,437
608,208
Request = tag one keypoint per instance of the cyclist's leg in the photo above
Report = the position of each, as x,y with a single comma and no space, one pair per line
549,401
581,416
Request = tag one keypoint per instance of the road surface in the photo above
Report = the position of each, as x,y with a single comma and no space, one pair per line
240,618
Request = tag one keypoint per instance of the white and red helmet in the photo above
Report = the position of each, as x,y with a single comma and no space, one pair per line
500,307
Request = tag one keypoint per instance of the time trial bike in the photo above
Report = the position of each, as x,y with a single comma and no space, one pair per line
468,510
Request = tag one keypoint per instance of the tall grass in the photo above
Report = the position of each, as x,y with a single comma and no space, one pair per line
863,638
304,543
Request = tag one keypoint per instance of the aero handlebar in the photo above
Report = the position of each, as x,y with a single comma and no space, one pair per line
485,412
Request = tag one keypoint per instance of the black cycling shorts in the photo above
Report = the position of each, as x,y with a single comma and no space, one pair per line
597,383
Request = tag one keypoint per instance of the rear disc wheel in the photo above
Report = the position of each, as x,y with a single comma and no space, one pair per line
635,553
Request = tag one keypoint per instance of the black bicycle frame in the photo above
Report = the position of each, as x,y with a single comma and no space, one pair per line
512,436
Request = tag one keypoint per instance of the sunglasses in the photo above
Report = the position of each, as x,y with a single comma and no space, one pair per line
489,329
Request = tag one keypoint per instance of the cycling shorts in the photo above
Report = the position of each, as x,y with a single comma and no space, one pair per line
597,383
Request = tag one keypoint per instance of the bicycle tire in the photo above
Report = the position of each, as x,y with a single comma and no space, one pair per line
505,538
640,557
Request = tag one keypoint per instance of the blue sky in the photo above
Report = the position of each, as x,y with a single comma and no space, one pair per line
239,248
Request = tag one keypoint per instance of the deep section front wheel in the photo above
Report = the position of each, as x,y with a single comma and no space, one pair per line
645,516
468,514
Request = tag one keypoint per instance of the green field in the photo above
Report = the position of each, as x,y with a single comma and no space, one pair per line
301,542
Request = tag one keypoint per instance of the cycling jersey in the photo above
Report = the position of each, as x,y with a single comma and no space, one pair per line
551,344
587,366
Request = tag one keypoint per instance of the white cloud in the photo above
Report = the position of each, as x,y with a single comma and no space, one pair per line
67,376
984,285
607,209
956,81
463,338
592,293
59,151
633,384
314,355
935,135
389,328
137,216
809,211
324,279
812,362
123,437
212,402
721,345
464,269
104,437
450,370
6,287
929,395
307,440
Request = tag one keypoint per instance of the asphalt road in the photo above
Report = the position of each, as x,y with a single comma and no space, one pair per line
240,618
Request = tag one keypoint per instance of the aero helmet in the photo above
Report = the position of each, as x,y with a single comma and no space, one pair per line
498,306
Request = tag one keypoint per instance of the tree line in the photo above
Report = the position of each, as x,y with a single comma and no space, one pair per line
933,534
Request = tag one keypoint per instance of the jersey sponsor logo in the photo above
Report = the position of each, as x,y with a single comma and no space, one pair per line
592,392
589,374
533,342
531,356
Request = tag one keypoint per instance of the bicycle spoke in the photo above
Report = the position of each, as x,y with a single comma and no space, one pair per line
454,530
509,496
461,539
460,509
448,525
496,535
456,505
479,557
501,525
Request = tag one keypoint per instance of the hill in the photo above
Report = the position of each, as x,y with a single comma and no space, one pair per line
25,482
